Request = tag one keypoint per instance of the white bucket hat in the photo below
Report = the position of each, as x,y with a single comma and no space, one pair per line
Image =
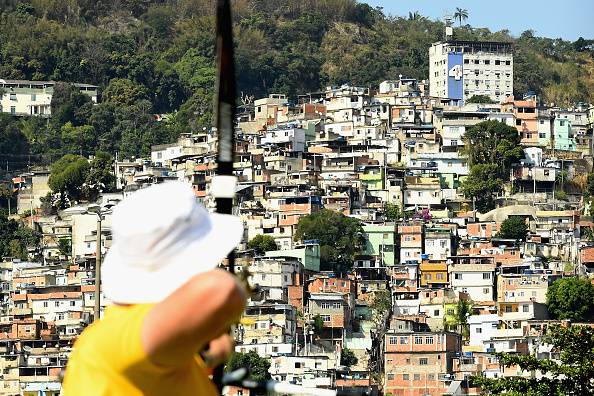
161,238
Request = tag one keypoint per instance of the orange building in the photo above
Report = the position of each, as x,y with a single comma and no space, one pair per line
483,230
293,208
526,119
418,363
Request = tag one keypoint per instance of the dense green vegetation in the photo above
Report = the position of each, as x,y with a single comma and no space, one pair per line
257,366
158,57
74,178
348,358
262,244
514,227
571,374
16,239
341,238
571,298
492,147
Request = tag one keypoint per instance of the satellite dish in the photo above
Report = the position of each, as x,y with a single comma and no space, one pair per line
27,348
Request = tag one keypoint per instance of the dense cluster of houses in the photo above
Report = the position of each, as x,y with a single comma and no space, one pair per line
358,152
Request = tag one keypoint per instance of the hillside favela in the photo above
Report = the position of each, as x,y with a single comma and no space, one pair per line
416,192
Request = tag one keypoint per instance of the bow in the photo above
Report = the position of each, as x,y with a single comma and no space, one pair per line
223,184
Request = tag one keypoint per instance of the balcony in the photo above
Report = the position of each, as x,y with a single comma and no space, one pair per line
21,311
371,177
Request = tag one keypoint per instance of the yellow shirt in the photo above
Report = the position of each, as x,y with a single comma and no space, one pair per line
108,359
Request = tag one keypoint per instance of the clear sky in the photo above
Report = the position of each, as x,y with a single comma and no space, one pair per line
568,19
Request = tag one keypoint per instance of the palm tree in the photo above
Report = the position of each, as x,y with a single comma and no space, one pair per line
414,16
461,14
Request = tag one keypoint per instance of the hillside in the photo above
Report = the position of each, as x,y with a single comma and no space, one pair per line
158,57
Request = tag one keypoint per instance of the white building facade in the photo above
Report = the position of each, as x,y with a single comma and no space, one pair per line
461,69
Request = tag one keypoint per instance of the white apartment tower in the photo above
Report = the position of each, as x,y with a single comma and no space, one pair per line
459,70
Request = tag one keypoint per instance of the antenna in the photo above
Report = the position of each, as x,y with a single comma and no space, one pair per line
449,30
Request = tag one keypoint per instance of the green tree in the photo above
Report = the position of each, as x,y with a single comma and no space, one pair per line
341,237
124,92
67,177
65,246
318,324
16,239
572,374
493,142
590,185
480,99
381,306
78,139
482,185
460,15
348,358
67,105
514,227
462,312
100,176
257,366
262,244
571,298
393,212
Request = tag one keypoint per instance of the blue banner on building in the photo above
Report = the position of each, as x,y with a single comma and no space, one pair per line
455,76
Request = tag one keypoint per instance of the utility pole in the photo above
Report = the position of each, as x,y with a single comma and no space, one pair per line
97,310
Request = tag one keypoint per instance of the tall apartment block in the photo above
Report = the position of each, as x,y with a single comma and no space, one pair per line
459,70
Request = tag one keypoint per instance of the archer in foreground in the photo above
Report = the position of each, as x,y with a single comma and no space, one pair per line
169,300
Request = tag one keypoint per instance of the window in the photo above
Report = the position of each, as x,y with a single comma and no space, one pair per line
418,340
478,330
431,377
326,318
33,97
405,377
325,305
508,308
45,304
403,340
450,311
525,308
13,96
417,377
12,110
423,361
518,122
486,290
393,340
457,276
497,63
464,290
487,62
439,276
429,340
436,312
508,63
427,276
486,275
297,364
390,376
57,303
466,61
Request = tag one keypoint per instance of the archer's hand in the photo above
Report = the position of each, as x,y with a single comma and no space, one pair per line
219,350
